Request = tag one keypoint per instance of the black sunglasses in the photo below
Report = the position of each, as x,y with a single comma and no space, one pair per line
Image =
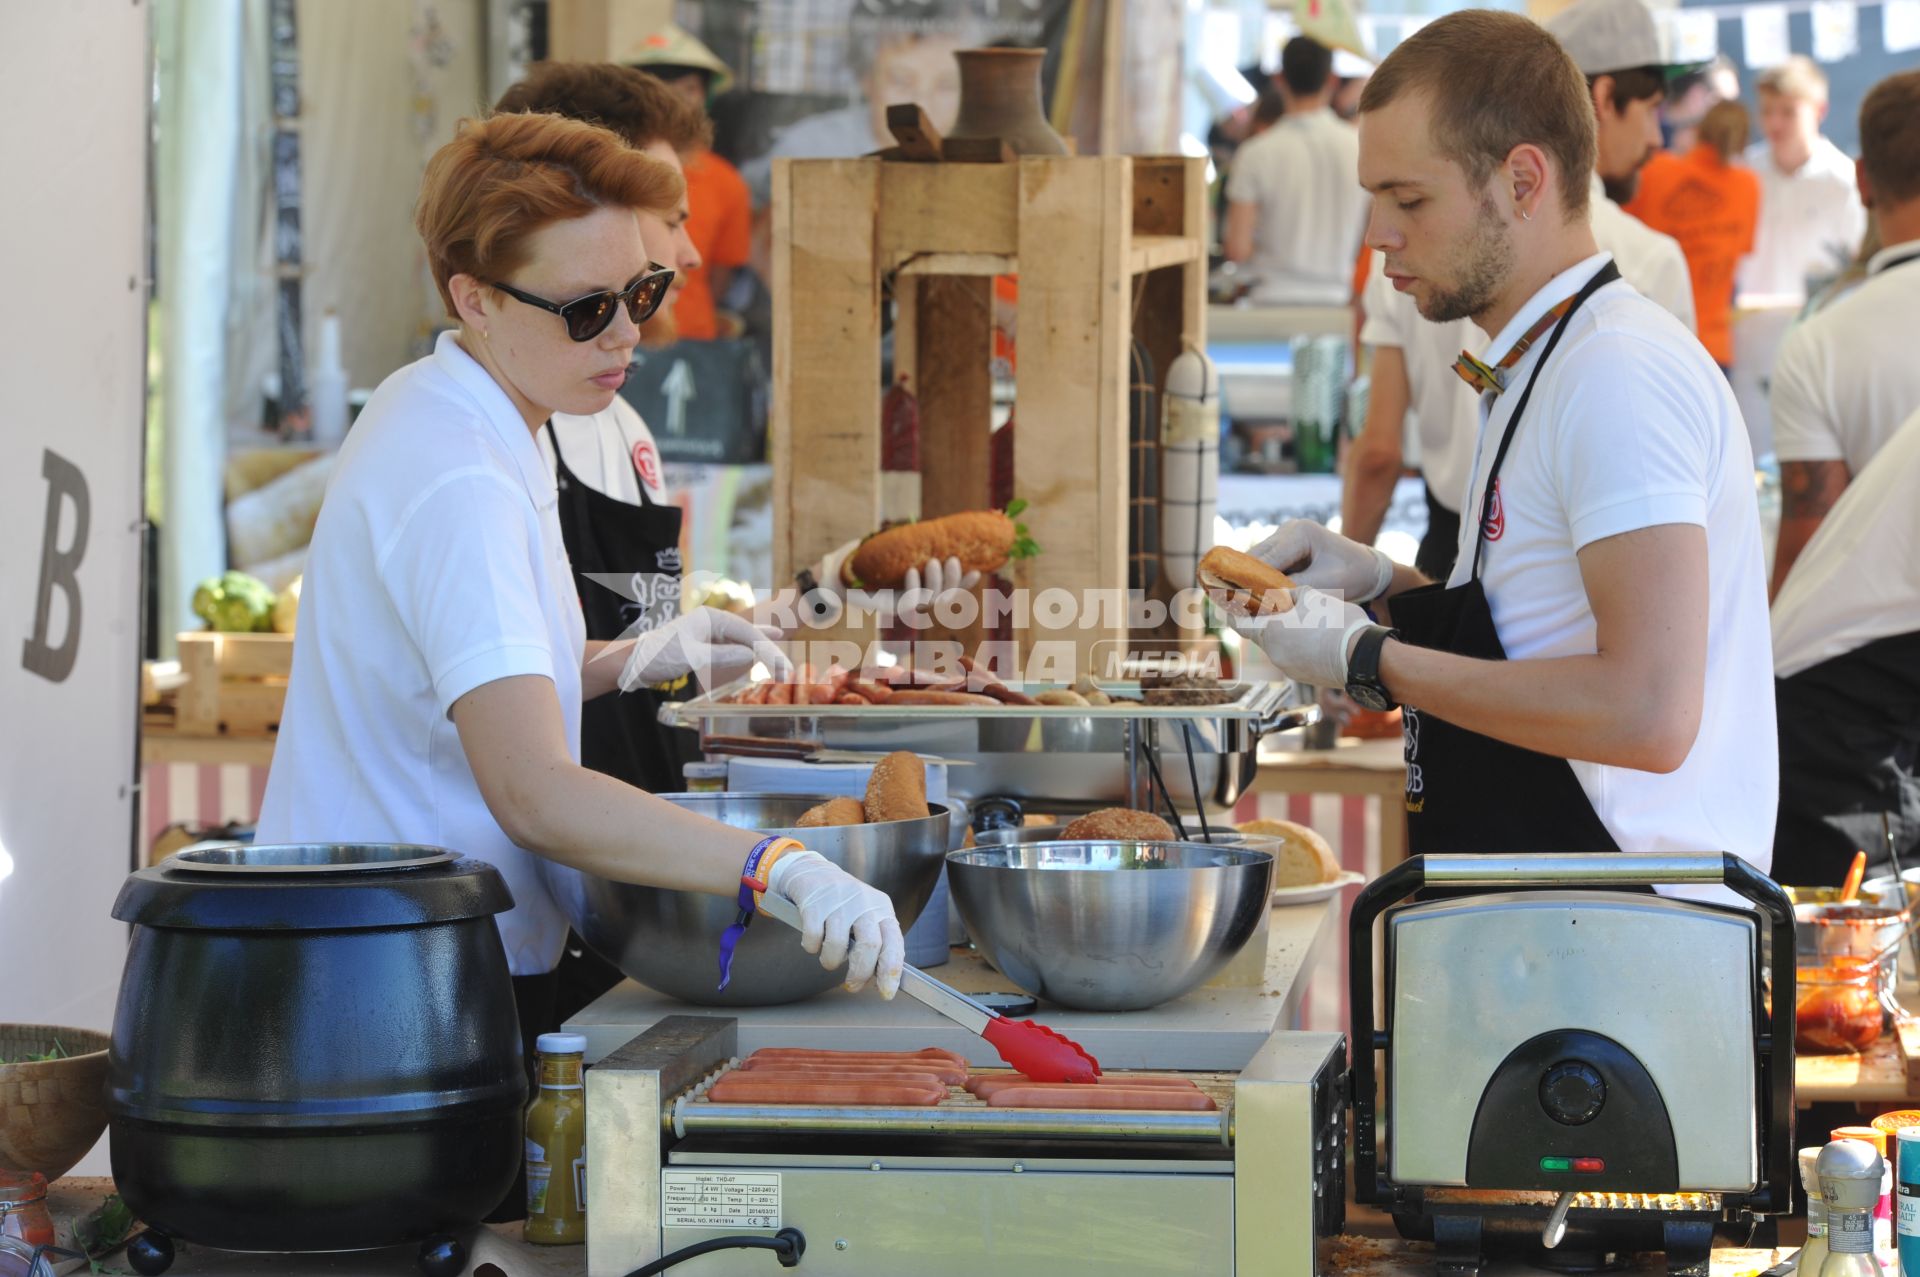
587,317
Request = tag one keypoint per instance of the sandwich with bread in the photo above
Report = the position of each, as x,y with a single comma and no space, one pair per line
1252,586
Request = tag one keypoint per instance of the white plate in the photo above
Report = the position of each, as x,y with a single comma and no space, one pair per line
1315,891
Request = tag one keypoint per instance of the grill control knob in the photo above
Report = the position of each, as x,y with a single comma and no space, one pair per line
1572,1093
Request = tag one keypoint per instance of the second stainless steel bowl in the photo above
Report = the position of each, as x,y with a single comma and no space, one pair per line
670,940
1110,926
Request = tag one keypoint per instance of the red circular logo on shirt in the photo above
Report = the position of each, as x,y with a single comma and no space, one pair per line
1495,525
646,464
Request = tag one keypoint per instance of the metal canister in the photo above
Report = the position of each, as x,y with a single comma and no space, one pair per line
1907,1147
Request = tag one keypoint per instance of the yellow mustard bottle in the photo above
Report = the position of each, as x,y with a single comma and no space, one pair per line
557,1144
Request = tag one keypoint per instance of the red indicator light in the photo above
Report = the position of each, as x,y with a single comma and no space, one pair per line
1589,1165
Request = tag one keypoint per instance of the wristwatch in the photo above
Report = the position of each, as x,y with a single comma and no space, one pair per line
1363,669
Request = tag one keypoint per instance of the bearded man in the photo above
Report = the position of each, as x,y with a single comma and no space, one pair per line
1595,675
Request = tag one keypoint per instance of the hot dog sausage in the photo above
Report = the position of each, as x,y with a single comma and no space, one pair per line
739,1089
948,1074
1071,1096
924,696
780,694
1007,696
802,1052
875,692
986,1086
798,1073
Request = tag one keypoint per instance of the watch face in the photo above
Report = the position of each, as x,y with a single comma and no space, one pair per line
1368,696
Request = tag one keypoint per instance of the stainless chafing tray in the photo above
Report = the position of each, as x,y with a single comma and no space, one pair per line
1067,756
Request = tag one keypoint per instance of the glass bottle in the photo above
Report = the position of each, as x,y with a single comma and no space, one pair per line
1814,1253
557,1144
1883,1244
1850,1172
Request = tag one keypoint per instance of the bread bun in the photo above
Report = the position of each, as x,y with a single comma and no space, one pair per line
897,789
981,539
834,811
1250,584
1303,858
1120,823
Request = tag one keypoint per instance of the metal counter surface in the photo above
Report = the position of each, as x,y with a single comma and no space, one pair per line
1210,1028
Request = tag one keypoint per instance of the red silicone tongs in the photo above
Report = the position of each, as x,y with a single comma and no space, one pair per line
1032,1049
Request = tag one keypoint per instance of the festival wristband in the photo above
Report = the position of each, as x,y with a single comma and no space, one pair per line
753,884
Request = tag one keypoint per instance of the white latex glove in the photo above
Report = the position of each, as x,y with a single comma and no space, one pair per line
712,645
1311,642
842,919
1323,560
922,588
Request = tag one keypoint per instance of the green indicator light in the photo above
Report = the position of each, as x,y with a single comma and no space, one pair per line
1556,1164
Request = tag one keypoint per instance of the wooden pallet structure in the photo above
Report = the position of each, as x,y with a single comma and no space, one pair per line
233,684
1105,249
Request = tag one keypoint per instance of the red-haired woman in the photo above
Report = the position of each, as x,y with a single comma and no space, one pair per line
442,662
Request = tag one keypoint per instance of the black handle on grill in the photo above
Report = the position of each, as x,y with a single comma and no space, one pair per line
1774,1048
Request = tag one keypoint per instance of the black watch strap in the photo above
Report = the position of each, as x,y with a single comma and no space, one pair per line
1363,669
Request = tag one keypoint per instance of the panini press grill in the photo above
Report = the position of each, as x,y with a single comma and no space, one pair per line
1574,1072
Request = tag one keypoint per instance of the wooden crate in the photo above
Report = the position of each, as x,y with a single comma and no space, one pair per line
1105,248
236,684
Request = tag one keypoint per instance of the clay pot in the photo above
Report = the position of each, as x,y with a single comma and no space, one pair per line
1000,97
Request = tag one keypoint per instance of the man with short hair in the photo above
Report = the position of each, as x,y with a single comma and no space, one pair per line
1617,48
1595,676
1846,377
1294,206
1811,218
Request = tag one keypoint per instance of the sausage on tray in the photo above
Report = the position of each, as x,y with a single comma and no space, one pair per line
986,1085
946,1072
810,1052
741,1089
939,1076
1069,1095
928,696
869,690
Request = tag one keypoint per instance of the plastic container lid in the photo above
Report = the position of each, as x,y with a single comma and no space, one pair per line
561,1044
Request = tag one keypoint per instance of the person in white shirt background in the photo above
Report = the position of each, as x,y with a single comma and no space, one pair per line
1846,650
1595,675
1811,218
1618,49
442,659
1846,377
1294,212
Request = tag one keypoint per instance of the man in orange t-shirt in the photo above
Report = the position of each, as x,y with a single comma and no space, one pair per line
720,220
1712,206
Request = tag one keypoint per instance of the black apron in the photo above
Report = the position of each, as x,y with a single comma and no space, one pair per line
621,734
1849,757
1466,792
1440,546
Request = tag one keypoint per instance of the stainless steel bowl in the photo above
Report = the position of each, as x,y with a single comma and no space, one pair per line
670,940
1110,926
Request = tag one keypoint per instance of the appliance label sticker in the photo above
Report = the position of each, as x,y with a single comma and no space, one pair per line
719,1199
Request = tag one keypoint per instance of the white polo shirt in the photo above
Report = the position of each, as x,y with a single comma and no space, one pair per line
1445,407
1846,377
611,452
1811,221
1303,176
1632,426
436,567
1858,580
1650,261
